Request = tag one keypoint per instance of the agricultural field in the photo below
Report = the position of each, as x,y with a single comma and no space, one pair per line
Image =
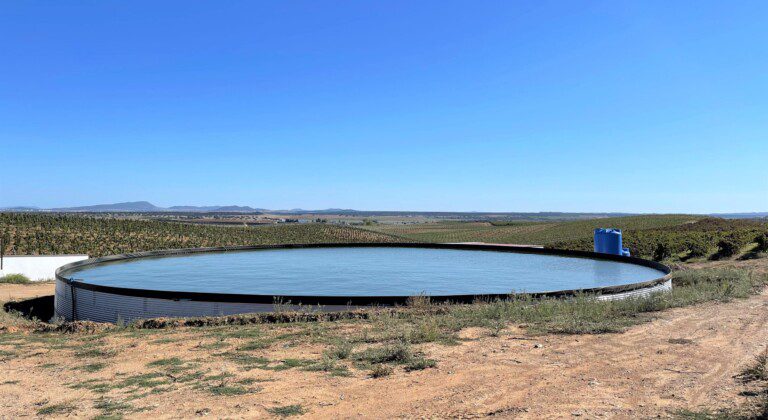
659,237
711,238
44,234
533,233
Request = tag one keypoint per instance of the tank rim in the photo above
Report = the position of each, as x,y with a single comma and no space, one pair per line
312,300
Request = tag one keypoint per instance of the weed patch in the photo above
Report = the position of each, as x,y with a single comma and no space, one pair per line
399,352
95,385
146,380
227,390
380,371
6,355
255,345
420,363
758,371
214,345
112,408
93,367
342,350
329,365
95,352
172,361
188,377
287,410
166,340
218,385
219,377
245,360
54,409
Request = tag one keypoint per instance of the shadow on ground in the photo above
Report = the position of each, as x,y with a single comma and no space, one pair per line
37,308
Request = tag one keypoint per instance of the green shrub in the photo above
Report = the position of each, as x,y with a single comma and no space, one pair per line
662,252
380,371
342,350
399,352
730,245
762,242
697,247
14,279
758,371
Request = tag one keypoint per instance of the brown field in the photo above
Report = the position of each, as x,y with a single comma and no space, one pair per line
683,359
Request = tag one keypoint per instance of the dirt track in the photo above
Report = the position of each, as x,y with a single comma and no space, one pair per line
638,373
650,370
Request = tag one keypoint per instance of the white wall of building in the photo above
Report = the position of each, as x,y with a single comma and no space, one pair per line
37,267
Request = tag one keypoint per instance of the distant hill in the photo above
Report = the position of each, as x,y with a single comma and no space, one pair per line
147,207
192,208
755,215
20,208
132,206
214,209
323,211
242,209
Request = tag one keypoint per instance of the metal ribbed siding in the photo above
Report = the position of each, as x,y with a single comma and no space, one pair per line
638,293
108,307
62,301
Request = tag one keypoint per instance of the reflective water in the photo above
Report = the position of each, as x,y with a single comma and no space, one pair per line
364,272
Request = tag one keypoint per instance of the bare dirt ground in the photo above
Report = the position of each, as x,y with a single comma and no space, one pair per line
25,291
685,359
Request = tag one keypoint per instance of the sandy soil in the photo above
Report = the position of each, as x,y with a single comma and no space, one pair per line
25,291
638,373
685,359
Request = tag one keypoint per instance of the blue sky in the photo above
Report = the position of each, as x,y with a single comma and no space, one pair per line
636,106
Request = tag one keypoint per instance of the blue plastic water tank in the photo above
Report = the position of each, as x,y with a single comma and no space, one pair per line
608,241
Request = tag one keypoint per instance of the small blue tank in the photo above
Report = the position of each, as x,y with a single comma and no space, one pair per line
608,241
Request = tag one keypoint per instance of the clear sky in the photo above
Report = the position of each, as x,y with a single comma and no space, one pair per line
641,106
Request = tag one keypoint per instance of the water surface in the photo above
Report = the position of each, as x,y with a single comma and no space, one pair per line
364,272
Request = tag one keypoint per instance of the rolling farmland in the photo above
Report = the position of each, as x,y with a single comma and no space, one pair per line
708,237
652,236
44,234
535,233
659,237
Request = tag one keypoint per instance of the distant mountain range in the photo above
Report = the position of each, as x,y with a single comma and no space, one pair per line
228,209
139,207
147,207
133,206
21,208
756,215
